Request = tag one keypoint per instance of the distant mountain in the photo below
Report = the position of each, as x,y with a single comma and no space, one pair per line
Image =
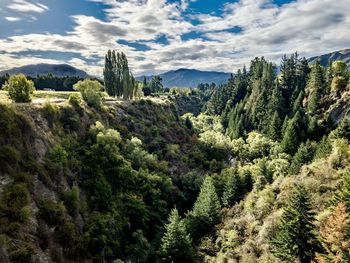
190,78
59,70
325,59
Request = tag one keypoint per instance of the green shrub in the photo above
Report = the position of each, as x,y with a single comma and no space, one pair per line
51,113
58,155
14,199
9,157
51,212
22,254
19,88
91,91
75,100
66,235
69,119
22,177
71,200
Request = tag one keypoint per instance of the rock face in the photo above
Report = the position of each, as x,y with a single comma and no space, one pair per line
325,59
60,70
339,109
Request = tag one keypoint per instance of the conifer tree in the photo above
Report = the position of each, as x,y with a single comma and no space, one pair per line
296,240
323,149
293,133
176,246
316,89
304,155
274,129
336,235
343,194
206,212
231,188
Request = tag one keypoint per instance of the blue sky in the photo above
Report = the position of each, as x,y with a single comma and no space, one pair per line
161,35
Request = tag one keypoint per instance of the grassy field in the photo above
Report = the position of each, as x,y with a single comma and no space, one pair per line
41,96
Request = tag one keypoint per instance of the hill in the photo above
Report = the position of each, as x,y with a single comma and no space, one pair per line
325,59
59,70
190,77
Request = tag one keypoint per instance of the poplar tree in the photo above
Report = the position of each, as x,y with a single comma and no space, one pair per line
109,73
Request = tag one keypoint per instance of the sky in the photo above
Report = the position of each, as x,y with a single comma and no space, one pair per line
163,35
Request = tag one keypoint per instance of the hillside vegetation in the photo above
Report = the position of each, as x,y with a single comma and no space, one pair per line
257,170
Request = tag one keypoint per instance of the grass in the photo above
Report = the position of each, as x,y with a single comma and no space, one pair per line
42,96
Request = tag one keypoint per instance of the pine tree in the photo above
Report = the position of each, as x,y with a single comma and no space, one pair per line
206,212
343,194
296,239
246,182
290,139
336,234
293,134
176,245
274,131
304,155
231,188
323,149
316,89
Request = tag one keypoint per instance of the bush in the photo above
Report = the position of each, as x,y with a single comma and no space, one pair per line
74,100
19,88
51,212
51,113
91,91
14,199
58,155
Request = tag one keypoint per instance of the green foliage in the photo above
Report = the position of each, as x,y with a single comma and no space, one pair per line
296,238
118,79
342,131
304,155
323,148
13,201
72,200
19,88
58,155
91,92
232,186
342,195
176,244
206,211
51,113
156,85
52,212
75,100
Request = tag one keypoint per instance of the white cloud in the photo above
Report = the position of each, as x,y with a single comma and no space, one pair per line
26,6
310,27
12,18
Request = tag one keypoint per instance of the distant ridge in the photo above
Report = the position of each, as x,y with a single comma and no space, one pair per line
59,70
325,59
190,78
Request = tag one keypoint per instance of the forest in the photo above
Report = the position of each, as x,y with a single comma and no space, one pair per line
254,170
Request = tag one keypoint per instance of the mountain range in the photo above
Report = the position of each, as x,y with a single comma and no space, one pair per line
176,78
59,70
190,78
325,59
